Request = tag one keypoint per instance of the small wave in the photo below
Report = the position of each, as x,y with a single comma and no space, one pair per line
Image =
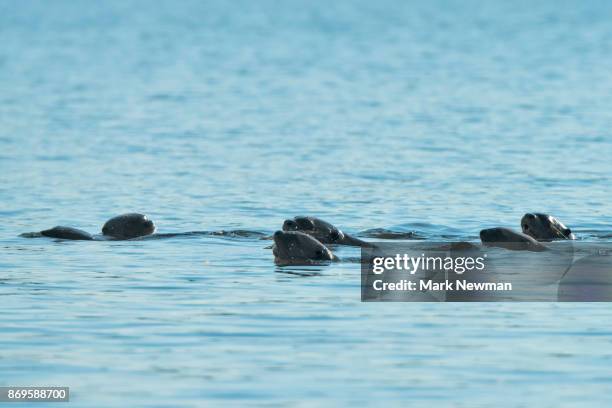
590,234
382,233
31,235
230,234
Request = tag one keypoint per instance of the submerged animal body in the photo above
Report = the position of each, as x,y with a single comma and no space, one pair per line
544,227
121,227
509,239
295,247
323,231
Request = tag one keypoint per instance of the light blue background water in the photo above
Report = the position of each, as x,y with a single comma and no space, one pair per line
441,117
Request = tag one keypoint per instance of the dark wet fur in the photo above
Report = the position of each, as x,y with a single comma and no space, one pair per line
128,226
322,231
67,233
298,248
544,227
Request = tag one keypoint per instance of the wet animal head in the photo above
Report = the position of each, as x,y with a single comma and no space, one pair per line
544,227
295,246
127,226
315,227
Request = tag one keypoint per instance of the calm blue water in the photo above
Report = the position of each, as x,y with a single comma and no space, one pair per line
439,117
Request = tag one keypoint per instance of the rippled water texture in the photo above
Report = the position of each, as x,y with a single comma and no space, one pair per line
439,117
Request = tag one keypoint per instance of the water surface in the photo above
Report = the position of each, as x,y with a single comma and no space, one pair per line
439,117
